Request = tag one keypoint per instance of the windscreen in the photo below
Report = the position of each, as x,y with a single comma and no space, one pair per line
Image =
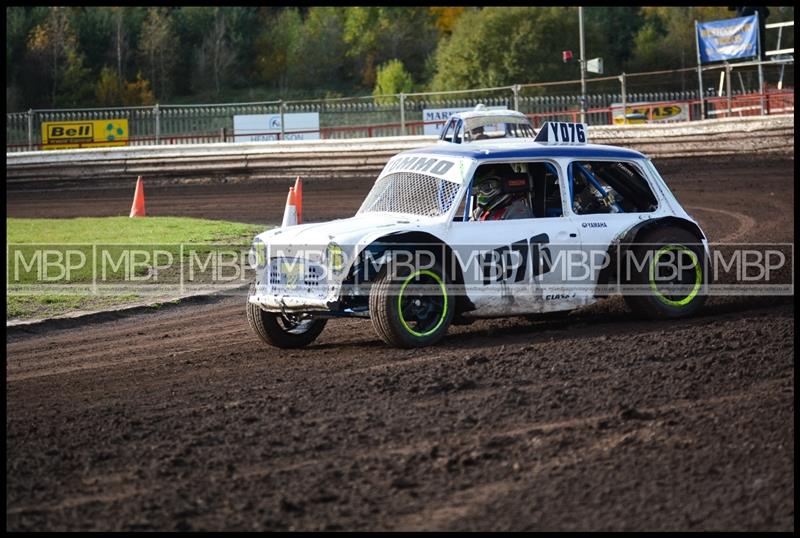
483,128
416,194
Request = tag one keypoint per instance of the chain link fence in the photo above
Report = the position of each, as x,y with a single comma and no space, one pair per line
402,114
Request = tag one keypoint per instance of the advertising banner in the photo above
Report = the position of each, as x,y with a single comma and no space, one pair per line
267,127
84,134
728,39
649,113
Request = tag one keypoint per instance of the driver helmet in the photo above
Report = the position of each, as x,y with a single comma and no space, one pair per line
476,132
489,192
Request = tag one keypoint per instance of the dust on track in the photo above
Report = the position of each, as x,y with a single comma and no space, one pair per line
179,419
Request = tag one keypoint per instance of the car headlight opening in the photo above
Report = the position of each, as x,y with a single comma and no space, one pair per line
257,257
335,257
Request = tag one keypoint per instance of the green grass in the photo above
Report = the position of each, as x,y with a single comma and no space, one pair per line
126,230
94,248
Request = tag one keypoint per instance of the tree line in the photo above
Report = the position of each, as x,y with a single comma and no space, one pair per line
124,56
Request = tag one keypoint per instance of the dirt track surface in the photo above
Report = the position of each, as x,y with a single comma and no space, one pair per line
259,202
180,419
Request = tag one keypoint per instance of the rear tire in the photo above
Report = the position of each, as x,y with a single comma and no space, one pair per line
688,294
280,331
413,309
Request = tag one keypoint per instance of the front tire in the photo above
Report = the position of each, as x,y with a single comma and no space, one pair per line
671,290
413,309
282,331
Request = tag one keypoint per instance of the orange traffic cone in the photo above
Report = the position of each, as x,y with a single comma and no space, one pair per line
298,199
290,213
137,209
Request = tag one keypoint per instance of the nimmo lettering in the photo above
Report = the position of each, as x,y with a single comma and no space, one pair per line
432,165
422,164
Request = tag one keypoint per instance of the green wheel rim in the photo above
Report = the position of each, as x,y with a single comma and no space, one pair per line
400,303
698,276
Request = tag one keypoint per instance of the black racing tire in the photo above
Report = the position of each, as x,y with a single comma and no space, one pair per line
406,317
276,330
690,283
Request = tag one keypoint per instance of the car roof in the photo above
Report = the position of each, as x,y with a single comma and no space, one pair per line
525,149
489,112
483,117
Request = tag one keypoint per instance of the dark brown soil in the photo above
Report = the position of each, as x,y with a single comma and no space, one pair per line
181,419
259,202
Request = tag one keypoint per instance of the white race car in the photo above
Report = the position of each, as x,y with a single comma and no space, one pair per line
450,233
486,124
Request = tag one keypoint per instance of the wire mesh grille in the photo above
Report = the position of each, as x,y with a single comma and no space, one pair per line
404,192
296,278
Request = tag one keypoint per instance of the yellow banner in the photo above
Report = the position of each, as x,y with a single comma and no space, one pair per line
646,113
84,134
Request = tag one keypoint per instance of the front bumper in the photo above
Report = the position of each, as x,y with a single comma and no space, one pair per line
284,303
295,285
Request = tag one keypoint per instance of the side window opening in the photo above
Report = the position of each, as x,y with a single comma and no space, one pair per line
599,187
507,191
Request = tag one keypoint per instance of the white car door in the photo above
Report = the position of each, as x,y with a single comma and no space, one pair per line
601,221
518,266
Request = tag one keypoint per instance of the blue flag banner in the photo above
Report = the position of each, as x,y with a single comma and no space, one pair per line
728,39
